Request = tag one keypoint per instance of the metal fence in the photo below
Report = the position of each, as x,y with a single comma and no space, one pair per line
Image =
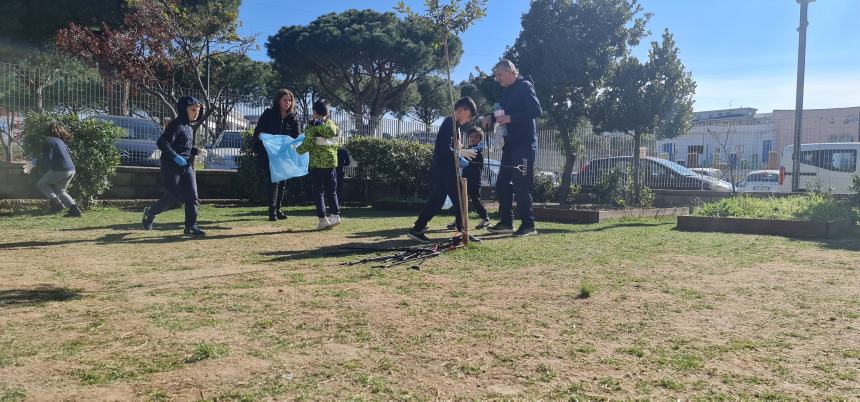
142,115
722,150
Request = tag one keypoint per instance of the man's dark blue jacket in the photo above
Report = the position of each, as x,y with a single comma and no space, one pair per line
521,103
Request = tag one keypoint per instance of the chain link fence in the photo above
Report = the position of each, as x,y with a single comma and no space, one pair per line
725,149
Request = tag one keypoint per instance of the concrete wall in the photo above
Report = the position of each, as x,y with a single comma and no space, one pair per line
133,182
130,182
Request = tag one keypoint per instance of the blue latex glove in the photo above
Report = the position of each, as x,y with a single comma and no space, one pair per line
33,161
180,161
463,162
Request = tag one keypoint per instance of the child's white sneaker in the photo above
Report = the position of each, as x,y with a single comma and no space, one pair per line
324,224
334,220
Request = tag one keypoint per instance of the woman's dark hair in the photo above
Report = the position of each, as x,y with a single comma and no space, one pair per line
56,130
466,103
276,100
321,107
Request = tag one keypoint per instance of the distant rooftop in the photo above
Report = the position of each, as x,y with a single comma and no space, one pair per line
736,113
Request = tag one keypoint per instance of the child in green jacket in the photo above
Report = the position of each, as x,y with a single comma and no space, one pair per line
319,135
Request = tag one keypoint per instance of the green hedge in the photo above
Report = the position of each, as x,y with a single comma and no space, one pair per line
812,207
615,188
402,164
93,151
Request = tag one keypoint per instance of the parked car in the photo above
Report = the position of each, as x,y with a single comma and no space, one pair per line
760,181
712,172
422,137
490,172
829,165
225,151
658,173
137,147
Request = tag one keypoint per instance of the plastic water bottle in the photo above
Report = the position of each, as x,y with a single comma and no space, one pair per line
499,129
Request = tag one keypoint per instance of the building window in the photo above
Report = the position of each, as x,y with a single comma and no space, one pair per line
836,160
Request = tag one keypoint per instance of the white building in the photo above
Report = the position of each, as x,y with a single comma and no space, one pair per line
721,137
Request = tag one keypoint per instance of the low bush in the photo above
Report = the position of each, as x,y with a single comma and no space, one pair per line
813,206
402,164
92,149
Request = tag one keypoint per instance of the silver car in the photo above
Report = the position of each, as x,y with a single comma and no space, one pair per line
137,147
223,154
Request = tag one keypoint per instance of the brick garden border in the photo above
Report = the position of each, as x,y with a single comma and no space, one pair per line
573,214
799,229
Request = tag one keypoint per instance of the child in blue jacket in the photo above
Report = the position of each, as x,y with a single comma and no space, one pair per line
177,174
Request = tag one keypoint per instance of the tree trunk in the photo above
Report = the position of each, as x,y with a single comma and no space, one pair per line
637,142
6,137
125,91
38,91
569,160
566,179
455,144
118,92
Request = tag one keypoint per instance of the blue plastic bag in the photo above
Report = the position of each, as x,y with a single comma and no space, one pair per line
284,162
448,204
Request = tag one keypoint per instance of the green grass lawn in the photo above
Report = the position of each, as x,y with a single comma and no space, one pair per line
94,308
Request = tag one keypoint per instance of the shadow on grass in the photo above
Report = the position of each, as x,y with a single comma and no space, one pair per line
161,227
849,241
36,296
338,250
626,225
122,238
35,212
394,240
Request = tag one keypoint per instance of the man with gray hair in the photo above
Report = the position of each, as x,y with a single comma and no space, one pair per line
516,111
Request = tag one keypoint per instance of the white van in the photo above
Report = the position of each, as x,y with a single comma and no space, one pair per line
828,165
760,181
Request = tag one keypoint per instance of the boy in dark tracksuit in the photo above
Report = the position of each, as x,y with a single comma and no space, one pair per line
442,173
177,174
472,173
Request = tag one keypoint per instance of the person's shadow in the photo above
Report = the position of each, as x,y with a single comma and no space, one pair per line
36,296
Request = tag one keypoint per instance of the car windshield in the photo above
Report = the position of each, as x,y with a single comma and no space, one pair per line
136,129
675,167
230,139
763,177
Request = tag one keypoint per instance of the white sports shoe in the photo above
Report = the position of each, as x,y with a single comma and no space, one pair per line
324,224
334,220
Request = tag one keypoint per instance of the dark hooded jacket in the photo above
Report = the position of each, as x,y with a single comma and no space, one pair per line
270,122
178,136
520,102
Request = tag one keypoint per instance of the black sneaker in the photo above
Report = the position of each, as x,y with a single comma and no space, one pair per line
473,239
74,212
525,231
54,205
280,215
194,231
485,223
147,220
452,225
418,236
501,228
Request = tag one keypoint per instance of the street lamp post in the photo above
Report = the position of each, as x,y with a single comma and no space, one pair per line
798,107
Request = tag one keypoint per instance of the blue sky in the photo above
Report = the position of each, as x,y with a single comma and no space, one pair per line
741,52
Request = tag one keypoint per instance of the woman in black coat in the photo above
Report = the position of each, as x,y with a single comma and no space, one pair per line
280,119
